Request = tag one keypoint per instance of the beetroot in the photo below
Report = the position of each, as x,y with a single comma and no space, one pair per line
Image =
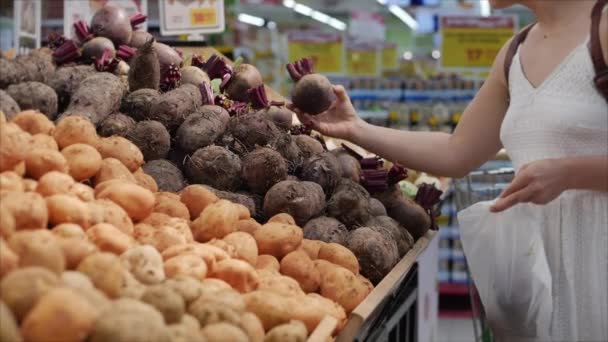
168,177
193,75
349,204
405,211
389,227
323,169
167,56
326,229
263,168
245,77
145,69
350,166
65,81
8,106
201,129
312,93
139,38
281,116
214,166
152,138
94,48
172,108
254,129
301,200
170,79
113,23
308,145
116,124
231,143
34,95
288,148
377,208
138,103
377,253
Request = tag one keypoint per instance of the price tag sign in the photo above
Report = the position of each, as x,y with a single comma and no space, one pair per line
469,42
326,50
74,11
191,16
363,60
390,60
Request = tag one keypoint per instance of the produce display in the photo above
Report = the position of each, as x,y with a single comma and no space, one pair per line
167,199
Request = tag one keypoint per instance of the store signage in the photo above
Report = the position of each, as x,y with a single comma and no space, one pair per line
469,42
390,60
74,11
363,60
27,19
367,26
326,49
191,16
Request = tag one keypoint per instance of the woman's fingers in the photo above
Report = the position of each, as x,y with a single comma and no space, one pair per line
519,182
340,93
504,203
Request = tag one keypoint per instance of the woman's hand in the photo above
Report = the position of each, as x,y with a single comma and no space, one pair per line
339,121
539,182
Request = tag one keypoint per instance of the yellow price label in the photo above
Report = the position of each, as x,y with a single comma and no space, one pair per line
389,58
362,63
203,16
327,56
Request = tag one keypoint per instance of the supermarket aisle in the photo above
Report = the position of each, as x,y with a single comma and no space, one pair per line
455,330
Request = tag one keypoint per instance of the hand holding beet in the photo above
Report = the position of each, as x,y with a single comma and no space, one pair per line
339,121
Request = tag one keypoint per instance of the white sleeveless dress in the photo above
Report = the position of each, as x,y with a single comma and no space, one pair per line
566,116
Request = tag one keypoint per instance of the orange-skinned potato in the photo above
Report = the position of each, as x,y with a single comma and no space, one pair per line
278,239
83,192
75,129
38,248
69,230
300,267
253,327
239,274
170,204
8,225
106,211
111,169
145,180
42,160
109,238
121,149
34,122
111,280
267,262
272,308
68,209
197,198
21,288
44,141
216,221
247,226
207,254
29,185
15,146
28,208
9,260
135,200
10,181
53,183
312,248
75,249
83,161
283,218
186,264
343,287
277,283
245,246
339,255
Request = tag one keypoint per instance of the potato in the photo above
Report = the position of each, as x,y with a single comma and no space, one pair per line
121,149
182,332
223,245
208,312
82,192
9,260
300,267
245,246
215,285
324,266
19,169
166,203
112,168
28,209
105,271
8,225
53,183
135,200
42,160
278,239
68,209
129,320
29,185
109,238
247,226
145,180
216,221
186,264
145,263
168,302
76,280
252,326
220,294
339,255
188,287
272,308
220,332
312,308
294,331
10,181
366,282
44,141
106,211
34,122
69,230
15,146
267,262
38,248
9,330
73,130
312,247
197,198
343,287
239,274
83,161
75,249
283,218
52,320
164,237
22,288
280,284
205,252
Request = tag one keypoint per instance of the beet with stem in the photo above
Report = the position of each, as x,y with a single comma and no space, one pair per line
113,23
312,93
245,77
139,38
193,75
94,49
138,103
301,200
145,68
263,168
326,229
200,129
167,56
168,177
405,211
214,166
116,124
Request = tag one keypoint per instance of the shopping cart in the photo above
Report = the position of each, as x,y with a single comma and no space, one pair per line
482,185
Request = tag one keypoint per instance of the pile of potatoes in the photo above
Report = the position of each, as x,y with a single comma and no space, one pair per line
90,250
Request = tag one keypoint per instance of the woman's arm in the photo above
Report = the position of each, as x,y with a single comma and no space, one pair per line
586,173
475,140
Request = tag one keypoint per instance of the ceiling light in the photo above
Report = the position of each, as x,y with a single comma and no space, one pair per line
436,54
322,17
289,3
251,20
404,16
484,8
408,55
337,24
271,25
302,9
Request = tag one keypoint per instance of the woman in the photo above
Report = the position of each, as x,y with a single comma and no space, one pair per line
553,122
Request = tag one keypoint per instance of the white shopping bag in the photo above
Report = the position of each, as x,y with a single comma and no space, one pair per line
506,258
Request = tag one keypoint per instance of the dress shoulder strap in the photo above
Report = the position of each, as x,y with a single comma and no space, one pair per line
515,42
